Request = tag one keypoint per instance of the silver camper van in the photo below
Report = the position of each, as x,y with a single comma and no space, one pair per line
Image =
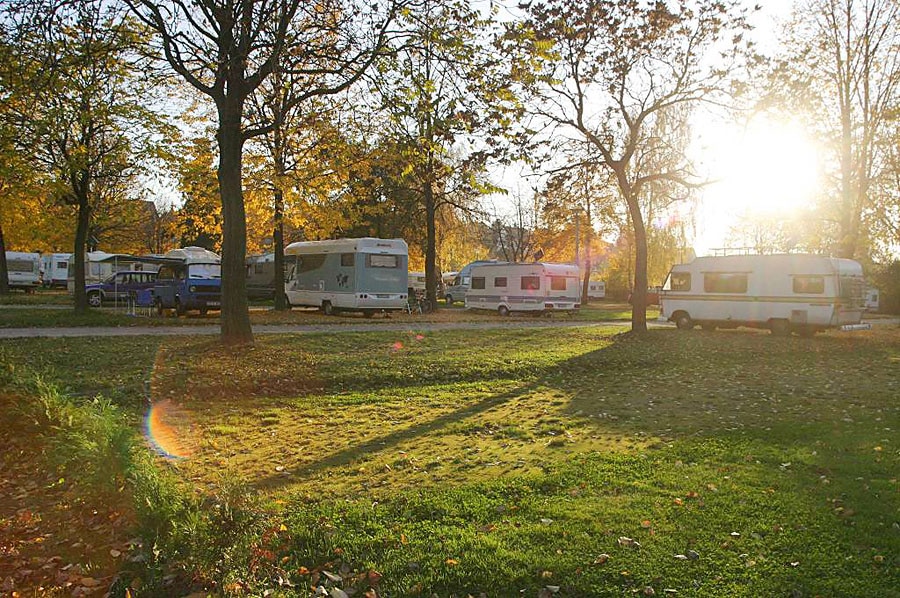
366,275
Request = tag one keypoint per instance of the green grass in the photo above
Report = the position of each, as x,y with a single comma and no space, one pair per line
38,297
507,460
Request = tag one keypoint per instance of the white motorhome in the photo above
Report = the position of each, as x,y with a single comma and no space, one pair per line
416,284
596,289
459,286
23,270
366,274
55,268
537,287
784,292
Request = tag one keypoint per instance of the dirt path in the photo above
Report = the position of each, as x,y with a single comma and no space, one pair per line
199,330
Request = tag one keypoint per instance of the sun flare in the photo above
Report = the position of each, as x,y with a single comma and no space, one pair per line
769,169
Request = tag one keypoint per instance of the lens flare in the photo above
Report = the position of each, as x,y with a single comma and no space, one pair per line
164,436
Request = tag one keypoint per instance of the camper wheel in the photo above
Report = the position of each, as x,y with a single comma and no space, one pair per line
780,327
683,321
368,313
327,308
503,311
449,299
95,299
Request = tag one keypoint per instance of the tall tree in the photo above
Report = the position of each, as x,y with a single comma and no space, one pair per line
608,69
225,49
447,106
841,69
80,116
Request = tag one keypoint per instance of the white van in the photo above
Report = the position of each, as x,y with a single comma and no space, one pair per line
537,287
784,292
23,270
366,274
459,286
596,289
55,267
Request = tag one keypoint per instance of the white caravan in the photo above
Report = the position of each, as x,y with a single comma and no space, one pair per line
55,268
784,293
416,284
366,275
23,270
537,287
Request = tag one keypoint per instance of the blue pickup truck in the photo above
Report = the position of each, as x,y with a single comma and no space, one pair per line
191,279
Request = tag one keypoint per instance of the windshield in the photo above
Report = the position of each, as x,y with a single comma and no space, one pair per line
205,271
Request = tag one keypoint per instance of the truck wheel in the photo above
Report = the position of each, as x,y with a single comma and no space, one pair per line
503,311
683,321
95,299
780,327
327,308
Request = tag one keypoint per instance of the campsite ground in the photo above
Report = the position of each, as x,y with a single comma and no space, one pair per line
720,463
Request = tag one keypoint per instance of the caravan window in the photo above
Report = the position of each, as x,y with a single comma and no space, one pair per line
478,282
310,262
500,281
19,265
347,260
377,260
531,283
557,283
809,285
716,282
678,281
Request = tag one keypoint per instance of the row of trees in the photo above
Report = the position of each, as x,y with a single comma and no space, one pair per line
333,118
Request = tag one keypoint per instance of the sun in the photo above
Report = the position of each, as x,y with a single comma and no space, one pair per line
769,169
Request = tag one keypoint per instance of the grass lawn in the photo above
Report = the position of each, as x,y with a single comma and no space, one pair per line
38,316
712,464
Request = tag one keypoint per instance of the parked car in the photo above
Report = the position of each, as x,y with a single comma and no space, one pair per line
119,287
190,279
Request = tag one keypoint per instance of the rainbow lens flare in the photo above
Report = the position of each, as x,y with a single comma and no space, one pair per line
162,434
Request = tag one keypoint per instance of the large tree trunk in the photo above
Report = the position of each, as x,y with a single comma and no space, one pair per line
639,292
4,271
430,247
281,303
235,316
81,233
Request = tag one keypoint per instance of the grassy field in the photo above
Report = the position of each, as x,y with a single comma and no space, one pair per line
711,464
35,315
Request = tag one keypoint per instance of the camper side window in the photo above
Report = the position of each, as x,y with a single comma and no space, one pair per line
500,282
347,260
809,285
308,263
724,283
478,282
531,283
680,281
557,283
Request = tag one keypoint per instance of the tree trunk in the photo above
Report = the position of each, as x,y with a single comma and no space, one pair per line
639,292
588,240
81,233
430,246
4,271
235,316
281,303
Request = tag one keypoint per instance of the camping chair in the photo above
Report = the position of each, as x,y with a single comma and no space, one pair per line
142,301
